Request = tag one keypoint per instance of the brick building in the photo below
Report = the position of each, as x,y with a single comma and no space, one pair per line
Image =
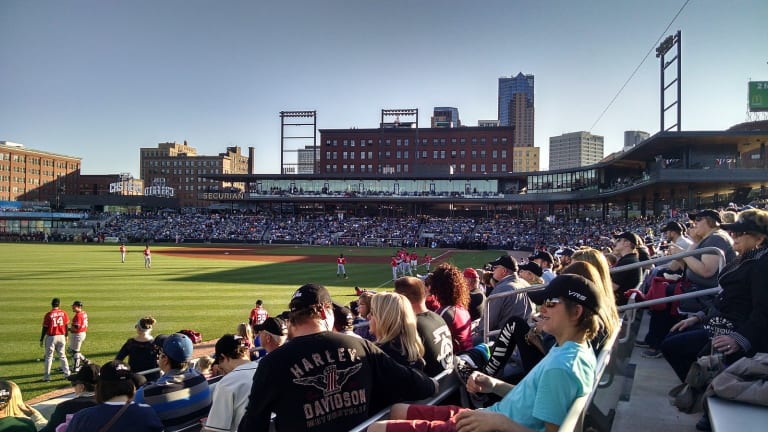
34,175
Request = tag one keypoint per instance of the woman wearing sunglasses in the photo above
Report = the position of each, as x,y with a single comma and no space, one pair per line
570,311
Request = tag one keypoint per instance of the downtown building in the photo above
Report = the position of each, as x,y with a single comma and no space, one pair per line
34,175
574,150
178,167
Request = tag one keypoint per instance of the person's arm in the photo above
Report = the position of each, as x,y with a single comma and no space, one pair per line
481,383
754,328
258,412
489,421
42,335
705,267
123,353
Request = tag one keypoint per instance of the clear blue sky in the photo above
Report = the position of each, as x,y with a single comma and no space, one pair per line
100,79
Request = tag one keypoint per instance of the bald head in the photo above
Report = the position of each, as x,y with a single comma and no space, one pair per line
412,288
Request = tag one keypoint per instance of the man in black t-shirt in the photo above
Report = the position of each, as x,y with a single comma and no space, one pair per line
625,247
434,332
326,381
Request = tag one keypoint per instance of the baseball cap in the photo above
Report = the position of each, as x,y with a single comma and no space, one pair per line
672,226
273,325
178,348
309,295
533,268
342,314
505,261
77,303
749,221
570,286
542,255
470,273
86,375
116,371
5,392
566,252
630,237
228,345
55,302
707,213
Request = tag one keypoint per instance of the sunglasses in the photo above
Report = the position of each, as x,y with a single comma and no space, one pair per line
738,234
550,303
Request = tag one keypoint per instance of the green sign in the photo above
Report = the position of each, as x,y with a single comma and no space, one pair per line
758,96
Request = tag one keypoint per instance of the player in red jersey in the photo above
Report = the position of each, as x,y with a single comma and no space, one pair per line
123,251
55,335
77,337
147,257
340,266
427,261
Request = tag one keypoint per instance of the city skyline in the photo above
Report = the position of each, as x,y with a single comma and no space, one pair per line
99,81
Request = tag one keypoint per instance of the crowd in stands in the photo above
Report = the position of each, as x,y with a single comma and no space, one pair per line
543,357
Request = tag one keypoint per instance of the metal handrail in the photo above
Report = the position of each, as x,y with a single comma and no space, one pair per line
703,251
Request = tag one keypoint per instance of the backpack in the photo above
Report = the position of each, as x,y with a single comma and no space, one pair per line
661,288
194,336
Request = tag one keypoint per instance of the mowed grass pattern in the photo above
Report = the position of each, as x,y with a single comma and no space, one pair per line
209,295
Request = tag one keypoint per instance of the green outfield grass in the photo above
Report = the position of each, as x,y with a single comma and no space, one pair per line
211,296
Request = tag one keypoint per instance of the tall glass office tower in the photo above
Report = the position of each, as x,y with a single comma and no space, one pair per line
516,107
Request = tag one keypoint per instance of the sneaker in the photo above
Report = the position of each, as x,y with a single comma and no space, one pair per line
463,369
651,353
641,344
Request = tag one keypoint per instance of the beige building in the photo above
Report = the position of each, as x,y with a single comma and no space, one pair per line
178,167
526,159
575,149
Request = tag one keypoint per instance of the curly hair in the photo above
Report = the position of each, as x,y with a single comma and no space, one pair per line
449,286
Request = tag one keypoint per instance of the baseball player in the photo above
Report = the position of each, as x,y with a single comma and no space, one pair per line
147,257
123,251
414,258
340,269
395,265
427,261
77,334
55,335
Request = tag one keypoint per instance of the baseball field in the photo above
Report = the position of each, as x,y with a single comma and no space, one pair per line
206,288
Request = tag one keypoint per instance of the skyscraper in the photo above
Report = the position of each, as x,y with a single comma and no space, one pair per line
575,149
445,117
516,107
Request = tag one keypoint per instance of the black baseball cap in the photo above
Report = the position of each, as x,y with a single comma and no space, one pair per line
505,261
542,255
77,303
228,345
749,221
86,375
55,302
116,371
630,237
707,213
533,268
673,226
569,286
566,252
273,325
309,295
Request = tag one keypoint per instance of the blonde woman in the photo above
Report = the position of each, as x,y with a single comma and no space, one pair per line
393,323
13,405
599,261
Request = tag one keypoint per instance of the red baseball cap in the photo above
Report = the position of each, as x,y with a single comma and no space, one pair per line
470,273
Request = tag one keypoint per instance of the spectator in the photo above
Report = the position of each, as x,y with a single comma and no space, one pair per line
204,366
502,310
84,384
344,320
674,233
245,331
181,394
736,326
364,308
432,329
531,273
599,261
625,247
11,422
140,349
566,256
450,289
16,407
702,270
542,400
302,381
230,396
115,390
476,294
393,323
273,332
545,260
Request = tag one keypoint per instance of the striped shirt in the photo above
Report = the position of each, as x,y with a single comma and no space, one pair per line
177,397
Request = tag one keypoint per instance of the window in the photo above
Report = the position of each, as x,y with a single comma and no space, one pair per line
474,154
463,154
503,154
442,154
474,167
495,154
453,154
